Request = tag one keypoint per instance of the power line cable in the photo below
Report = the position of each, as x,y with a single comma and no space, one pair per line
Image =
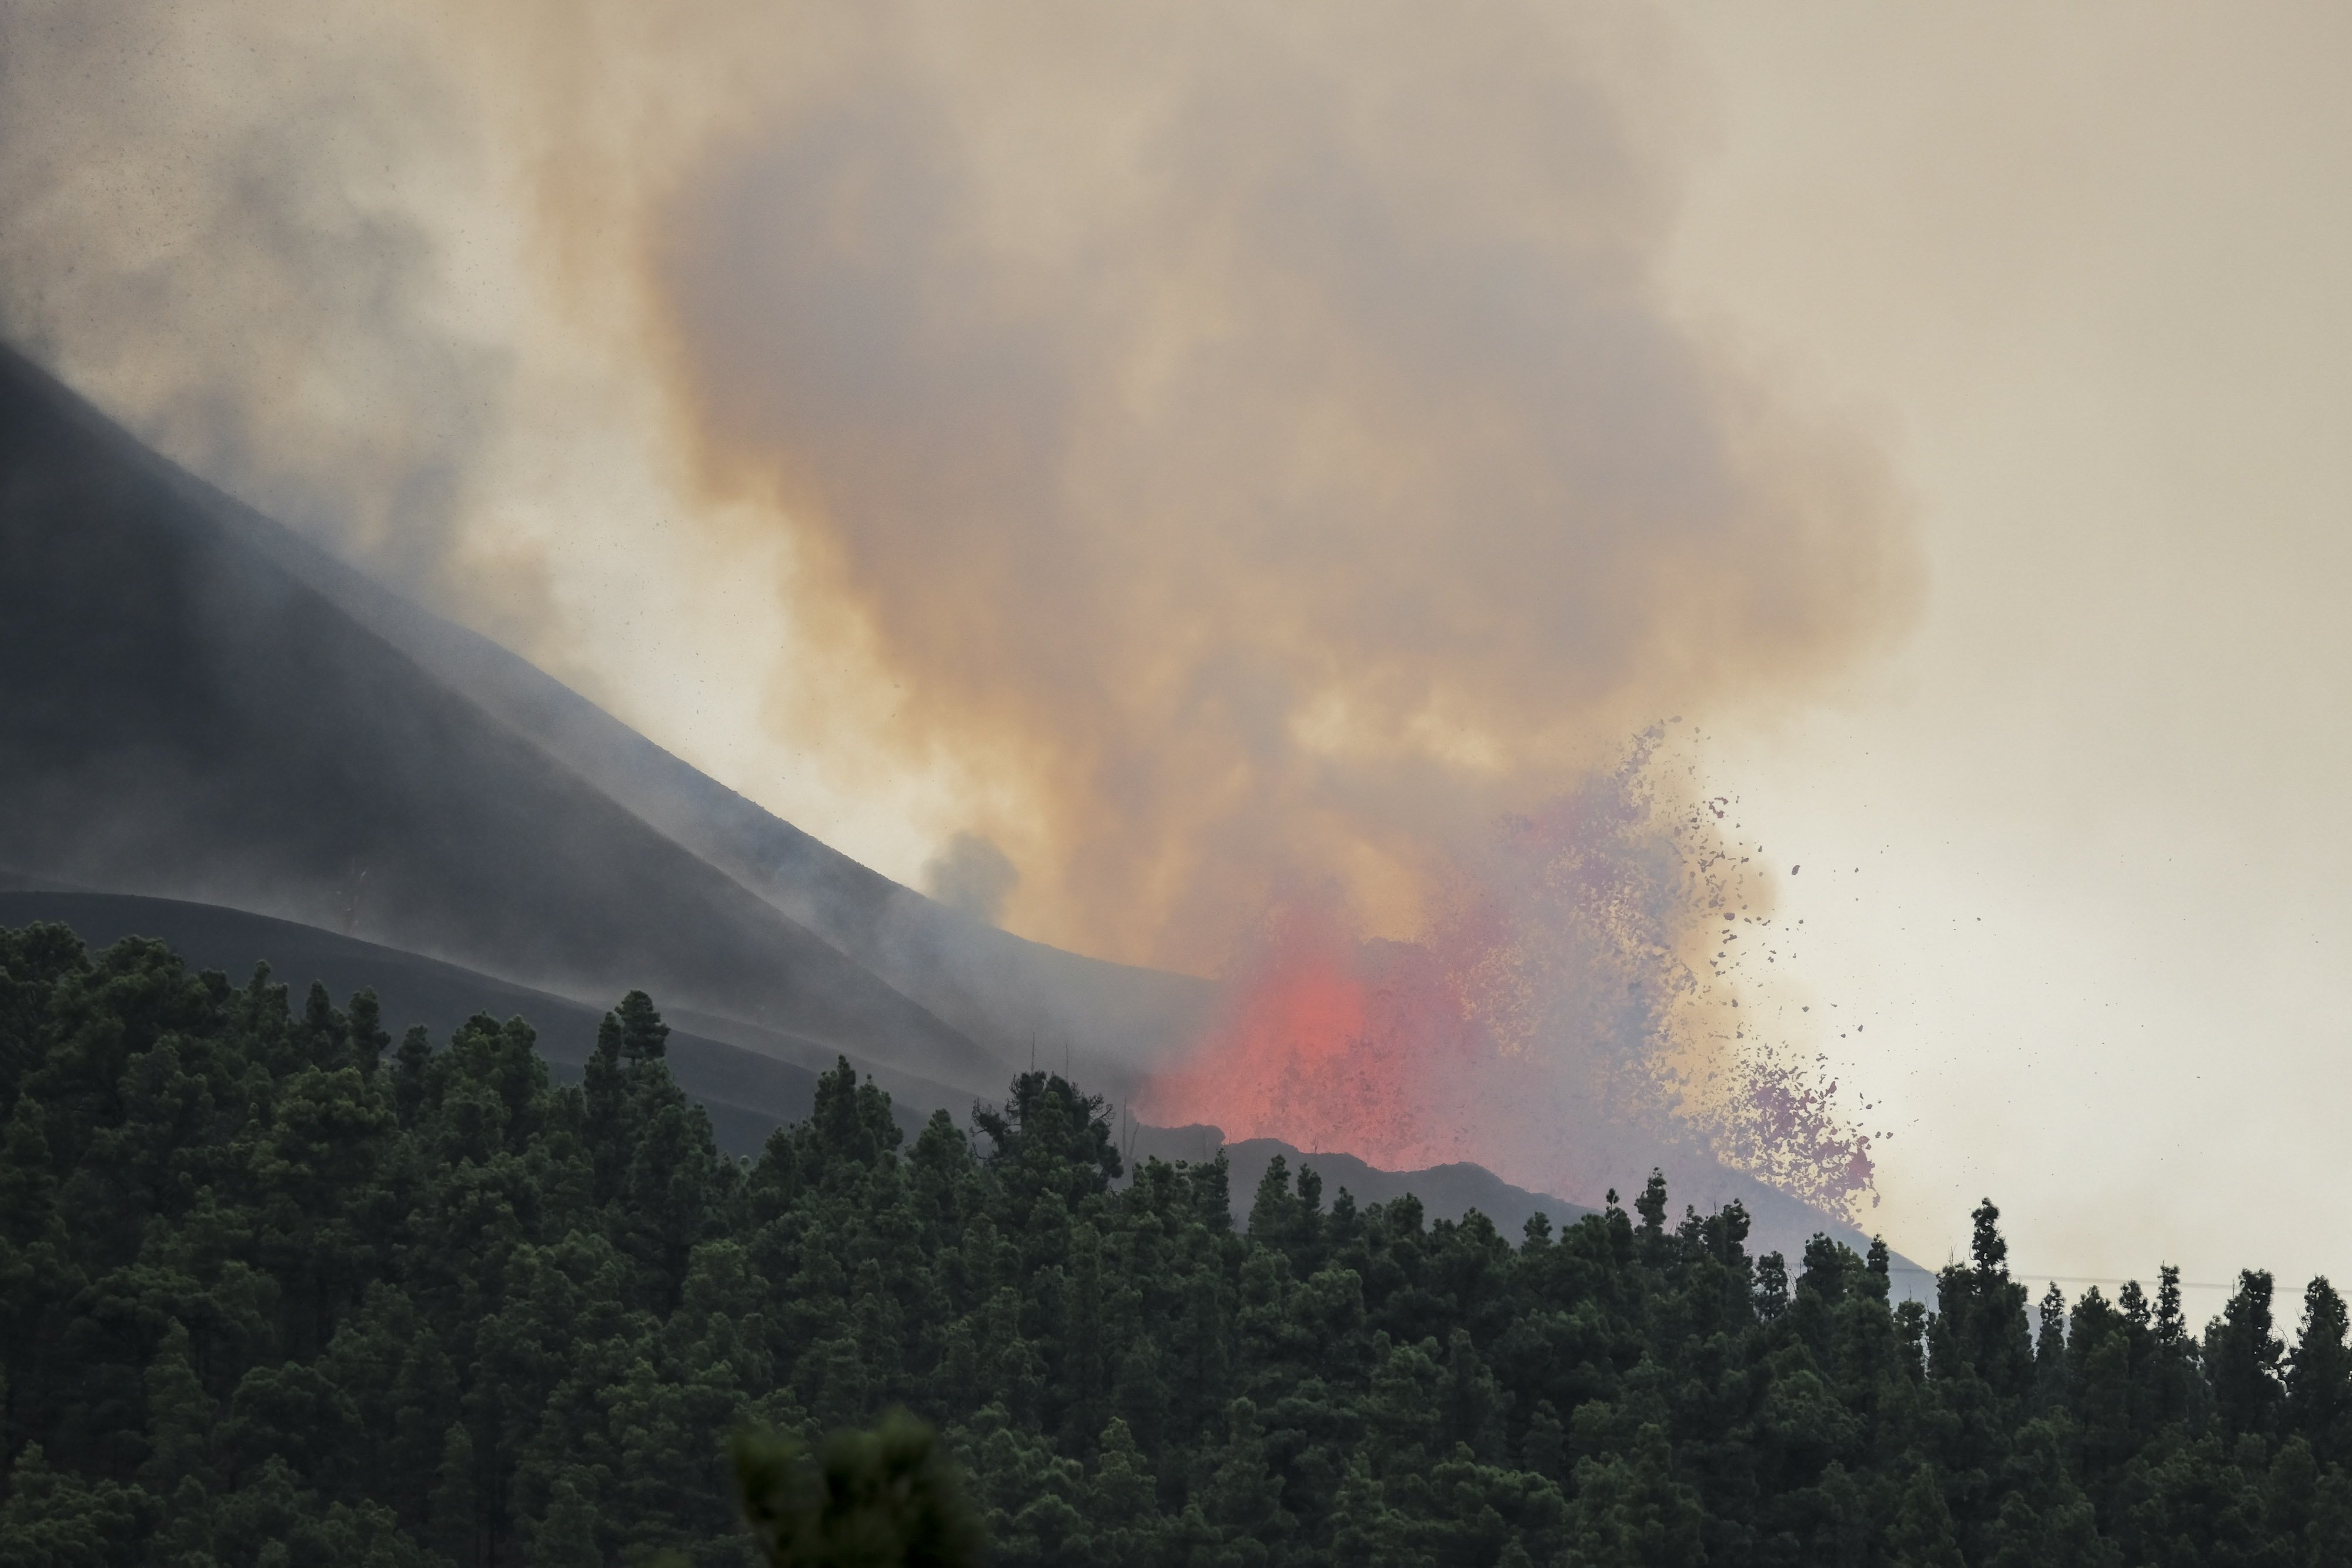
2067,1278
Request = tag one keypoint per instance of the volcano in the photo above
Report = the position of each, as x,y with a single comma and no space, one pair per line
197,705
213,731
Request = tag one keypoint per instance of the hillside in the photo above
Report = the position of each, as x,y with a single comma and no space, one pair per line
200,707
277,1288
1003,991
749,1081
746,1095
180,716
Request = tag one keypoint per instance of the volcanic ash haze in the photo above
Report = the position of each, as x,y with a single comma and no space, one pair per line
1242,452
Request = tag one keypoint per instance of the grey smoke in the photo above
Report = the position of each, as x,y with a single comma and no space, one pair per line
1257,440
971,874
220,227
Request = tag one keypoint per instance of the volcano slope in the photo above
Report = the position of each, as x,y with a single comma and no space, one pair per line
180,716
197,706
1013,995
200,704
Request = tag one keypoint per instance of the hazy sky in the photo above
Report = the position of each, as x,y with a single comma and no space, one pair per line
1956,416
2084,268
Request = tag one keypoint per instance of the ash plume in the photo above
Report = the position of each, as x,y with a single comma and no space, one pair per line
223,224
1236,448
1262,454
1571,1014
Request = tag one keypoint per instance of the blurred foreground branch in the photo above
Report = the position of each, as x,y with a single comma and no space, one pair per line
884,1497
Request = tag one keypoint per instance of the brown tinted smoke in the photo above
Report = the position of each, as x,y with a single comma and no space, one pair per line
1247,443
220,223
1253,435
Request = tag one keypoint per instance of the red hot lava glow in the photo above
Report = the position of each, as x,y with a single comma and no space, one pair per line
1331,1044
1548,1028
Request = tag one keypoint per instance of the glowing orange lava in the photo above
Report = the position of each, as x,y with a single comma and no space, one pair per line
1333,1045
1546,1025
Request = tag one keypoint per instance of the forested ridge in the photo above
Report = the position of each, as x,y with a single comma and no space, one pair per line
277,1289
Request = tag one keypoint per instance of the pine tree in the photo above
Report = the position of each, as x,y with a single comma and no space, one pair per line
2319,1377
1545,1452
565,1535
1126,1501
644,1037
183,1536
457,1503
1981,1331
1631,1509
367,1033
1875,1281
1921,1535
1652,1207
2171,1327
2050,1350
2243,1355
1367,1533
1771,1286
408,1074
1243,1498
55,1518
1474,1402
324,1038
179,1416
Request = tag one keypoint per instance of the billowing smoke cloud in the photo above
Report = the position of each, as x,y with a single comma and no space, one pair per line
1572,1018
1253,434
1247,447
221,224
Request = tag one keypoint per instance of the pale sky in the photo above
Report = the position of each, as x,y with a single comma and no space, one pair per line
2084,269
